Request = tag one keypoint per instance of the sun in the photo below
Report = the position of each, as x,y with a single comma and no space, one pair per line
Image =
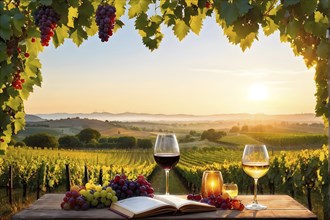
258,92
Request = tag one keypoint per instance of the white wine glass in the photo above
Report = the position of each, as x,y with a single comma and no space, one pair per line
166,154
255,162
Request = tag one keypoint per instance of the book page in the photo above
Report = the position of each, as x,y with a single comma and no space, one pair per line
179,202
140,204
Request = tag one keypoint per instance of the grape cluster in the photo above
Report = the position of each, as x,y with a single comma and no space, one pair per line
195,197
105,20
46,19
91,196
17,81
125,188
74,200
223,203
98,196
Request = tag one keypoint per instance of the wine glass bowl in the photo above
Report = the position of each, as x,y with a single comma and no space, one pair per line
166,154
231,189
255,162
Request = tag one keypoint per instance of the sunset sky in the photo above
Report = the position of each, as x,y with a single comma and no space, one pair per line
201,75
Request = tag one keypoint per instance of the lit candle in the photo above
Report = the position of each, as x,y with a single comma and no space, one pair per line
211,183
212,187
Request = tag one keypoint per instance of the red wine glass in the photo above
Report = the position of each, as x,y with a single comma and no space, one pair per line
166,154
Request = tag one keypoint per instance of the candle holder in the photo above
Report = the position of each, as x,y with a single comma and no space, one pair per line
212,183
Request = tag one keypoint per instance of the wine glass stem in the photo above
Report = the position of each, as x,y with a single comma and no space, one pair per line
167,172
255,191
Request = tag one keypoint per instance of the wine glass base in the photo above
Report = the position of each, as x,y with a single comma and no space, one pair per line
255,206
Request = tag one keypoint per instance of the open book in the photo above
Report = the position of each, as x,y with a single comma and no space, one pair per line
141,206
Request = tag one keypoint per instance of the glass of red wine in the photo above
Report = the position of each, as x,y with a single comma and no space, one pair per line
166,154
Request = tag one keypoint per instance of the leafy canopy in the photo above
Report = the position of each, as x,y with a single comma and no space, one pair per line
302,23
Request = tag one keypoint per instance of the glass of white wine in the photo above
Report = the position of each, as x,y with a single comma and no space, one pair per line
255,163
231,189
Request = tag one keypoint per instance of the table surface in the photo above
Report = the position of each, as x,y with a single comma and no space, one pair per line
279,207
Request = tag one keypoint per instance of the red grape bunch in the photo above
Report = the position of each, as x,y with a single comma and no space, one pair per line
223,202
105,20
125,188
17,81
46,19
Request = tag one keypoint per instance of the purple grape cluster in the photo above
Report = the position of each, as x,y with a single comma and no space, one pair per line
105,20
73,200
125,188
46,19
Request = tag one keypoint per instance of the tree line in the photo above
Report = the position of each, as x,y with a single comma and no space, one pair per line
87,138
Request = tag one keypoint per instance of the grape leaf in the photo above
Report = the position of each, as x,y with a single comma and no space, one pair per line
119,24
287,3
92,30
323,49
46,2
28,87
14,102
243,6
191,2
293,28
73,13
270,26
120,8
18,21
272,10
85,11
32,66
156,19
137,7
3,53
228,12
5,27
308,6
320,18
60,34
180,29
247,42
141,21
74,3
196,23
78,36
19,122
231,35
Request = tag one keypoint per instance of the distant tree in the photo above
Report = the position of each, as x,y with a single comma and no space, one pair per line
144,143
212,135
113,140
134,128
126,142
41,140
186,139
87,134
69,141
193,133
103,140
234,129
245,128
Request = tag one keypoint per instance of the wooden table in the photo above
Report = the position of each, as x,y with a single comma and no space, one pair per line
279,207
